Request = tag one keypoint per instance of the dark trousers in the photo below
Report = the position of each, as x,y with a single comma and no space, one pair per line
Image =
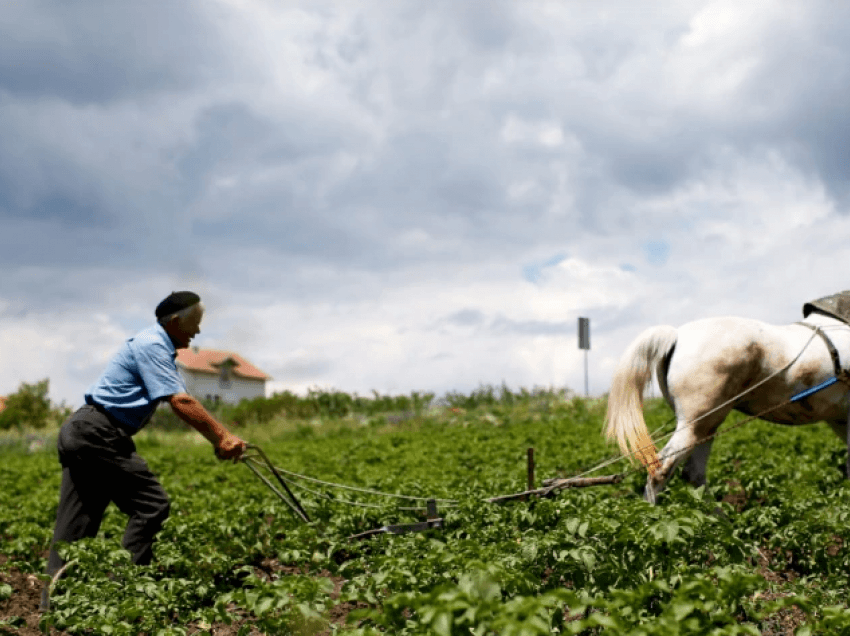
99,465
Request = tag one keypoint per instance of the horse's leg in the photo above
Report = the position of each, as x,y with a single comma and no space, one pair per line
673,454
683,443
694,470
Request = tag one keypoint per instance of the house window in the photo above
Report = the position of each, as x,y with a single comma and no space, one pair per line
224,380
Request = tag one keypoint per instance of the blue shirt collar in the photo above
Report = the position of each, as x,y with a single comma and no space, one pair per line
163,334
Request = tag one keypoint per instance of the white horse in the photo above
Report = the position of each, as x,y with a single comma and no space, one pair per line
708,367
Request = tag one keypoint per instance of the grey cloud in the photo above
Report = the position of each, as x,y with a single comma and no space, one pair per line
489,25
159,152
531,327
291,231
226,135
650,168
233,139
38,184
602,320
434,159
354,220
465,318
501,324
649,142
54,244
302,369
59,284
95,52
67,198
450,177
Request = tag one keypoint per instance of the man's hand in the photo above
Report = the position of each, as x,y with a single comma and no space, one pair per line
230,447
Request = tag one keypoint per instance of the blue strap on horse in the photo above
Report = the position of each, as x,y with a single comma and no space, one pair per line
840,374
804,394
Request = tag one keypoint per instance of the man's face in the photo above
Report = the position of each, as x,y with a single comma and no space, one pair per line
183,330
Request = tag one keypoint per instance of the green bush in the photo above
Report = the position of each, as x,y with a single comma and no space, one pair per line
29,406
489,396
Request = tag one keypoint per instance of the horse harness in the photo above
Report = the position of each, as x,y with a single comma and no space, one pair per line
837,306
833,352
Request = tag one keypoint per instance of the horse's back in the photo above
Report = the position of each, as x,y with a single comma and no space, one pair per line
754,366
730,344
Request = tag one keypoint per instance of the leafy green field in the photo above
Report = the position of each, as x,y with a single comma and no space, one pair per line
762,549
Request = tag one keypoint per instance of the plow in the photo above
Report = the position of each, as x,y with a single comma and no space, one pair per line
281,481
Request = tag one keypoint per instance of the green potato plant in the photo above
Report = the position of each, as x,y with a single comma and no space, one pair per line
761,549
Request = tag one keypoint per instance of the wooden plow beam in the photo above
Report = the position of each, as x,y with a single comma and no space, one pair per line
551,486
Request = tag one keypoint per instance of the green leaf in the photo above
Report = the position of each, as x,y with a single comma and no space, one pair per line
682,609
442,624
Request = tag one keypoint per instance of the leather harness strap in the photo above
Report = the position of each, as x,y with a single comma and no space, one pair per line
833,352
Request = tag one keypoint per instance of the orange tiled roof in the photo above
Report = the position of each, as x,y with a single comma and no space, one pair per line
2,403
210,360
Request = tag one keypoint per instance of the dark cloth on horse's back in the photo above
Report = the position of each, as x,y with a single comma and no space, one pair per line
837,306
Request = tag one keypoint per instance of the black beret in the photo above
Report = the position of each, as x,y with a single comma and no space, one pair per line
175,302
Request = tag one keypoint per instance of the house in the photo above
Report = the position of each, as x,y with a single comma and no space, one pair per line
2,403
220,375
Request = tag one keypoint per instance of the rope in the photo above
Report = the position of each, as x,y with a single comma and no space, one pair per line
331,484
331,498
321,495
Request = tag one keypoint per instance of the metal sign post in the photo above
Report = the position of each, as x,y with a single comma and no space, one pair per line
584,343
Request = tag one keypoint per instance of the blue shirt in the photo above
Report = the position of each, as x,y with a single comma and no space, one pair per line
140,375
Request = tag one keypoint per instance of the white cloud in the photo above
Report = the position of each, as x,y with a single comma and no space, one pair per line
69,350
543,133
362,193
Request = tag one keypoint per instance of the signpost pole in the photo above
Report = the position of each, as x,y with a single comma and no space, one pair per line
586,386
584,343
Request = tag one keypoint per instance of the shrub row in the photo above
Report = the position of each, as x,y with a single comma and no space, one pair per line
316,403
29,407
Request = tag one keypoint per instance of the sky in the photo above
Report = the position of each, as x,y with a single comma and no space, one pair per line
418,195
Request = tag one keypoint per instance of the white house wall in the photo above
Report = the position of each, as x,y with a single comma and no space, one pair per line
201,385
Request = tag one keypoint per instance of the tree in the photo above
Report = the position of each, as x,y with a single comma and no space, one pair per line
29,406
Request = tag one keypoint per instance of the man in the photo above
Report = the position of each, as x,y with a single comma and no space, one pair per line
96,449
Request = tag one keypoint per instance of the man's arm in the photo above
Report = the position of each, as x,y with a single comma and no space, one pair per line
227,445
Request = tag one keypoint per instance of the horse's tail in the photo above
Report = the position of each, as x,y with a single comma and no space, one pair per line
624,420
